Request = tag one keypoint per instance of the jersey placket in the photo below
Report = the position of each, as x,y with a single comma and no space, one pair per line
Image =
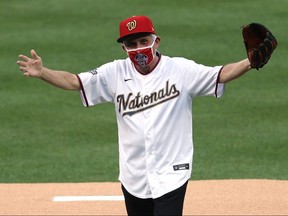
150,143
150,149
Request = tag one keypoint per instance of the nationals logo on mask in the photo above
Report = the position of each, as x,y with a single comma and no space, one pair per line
141,56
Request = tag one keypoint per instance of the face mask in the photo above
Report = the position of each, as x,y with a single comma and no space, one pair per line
142,56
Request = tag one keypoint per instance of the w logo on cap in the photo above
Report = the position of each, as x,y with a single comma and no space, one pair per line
131,25
135,25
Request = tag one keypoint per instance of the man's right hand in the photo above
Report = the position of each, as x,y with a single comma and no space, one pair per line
31,67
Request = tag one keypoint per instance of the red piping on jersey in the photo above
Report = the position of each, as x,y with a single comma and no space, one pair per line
217,82
84,95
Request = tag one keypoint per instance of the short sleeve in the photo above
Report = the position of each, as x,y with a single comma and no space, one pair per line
203,80
98,85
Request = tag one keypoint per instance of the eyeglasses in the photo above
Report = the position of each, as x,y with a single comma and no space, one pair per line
139,42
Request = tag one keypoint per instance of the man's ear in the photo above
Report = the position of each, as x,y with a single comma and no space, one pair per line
157,41
123,47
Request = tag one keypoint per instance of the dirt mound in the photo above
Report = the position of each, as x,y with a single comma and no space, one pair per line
211,197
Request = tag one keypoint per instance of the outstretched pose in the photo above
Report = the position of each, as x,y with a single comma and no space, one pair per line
153,96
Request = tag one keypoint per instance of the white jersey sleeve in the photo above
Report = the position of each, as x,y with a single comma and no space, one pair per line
98,85
201,80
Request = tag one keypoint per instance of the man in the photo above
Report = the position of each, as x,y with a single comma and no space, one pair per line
153,97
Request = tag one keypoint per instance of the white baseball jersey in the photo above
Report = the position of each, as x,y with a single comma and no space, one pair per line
154,117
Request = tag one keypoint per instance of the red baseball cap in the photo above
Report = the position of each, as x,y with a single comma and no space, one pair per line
134,25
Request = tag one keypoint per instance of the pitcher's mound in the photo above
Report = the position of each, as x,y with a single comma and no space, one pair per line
211,197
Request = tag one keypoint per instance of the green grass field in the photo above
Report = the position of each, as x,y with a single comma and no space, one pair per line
46,135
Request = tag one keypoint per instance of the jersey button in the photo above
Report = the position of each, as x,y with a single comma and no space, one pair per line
147,115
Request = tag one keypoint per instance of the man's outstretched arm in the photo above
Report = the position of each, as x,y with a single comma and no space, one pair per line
33,67
234,70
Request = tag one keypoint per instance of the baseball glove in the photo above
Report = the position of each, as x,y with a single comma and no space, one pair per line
259,43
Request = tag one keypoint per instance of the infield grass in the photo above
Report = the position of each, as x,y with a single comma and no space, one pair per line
46,135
